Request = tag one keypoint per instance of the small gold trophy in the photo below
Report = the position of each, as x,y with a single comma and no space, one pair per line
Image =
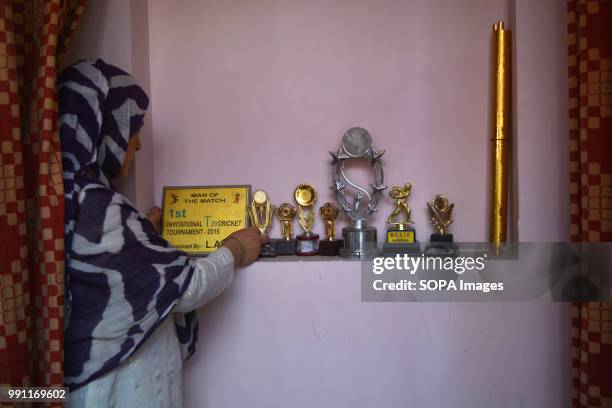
401,237
260,214
441,212
308,242
330,246
285,213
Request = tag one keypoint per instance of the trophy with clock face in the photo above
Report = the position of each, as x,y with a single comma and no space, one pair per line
358,202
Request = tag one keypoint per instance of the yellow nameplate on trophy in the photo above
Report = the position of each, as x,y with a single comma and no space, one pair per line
197,219
395,237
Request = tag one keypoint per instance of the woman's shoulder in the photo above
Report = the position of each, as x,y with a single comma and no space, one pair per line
96,196
98,204
104,212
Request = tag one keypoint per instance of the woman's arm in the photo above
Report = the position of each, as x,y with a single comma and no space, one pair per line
213,274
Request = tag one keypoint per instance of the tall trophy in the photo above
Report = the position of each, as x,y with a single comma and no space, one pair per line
260,214
441,212
359,239
330,245
401,237
286,245
308,242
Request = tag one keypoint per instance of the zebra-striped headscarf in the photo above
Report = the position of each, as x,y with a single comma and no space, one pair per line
122,278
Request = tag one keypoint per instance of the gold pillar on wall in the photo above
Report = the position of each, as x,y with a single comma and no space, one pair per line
500,135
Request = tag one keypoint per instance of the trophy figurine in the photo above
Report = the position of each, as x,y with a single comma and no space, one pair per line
358,203
285,213
441,212
308,242
330,245
401,237
260,214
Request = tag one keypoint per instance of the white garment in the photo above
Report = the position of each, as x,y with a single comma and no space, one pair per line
152,376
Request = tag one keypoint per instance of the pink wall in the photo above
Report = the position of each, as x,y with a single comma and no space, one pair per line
541,120
271,86
259,92
297,335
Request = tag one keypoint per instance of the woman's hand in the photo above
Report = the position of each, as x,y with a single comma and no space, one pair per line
154,215
245,245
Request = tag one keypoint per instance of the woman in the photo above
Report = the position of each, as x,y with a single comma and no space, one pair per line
131,298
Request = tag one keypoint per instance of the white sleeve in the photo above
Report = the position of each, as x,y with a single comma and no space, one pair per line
212,275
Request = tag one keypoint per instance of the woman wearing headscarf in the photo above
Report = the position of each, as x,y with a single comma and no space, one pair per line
131,298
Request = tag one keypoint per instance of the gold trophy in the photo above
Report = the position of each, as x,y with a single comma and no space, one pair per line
260,214
329,246
285,213
441,212
308,242
401,237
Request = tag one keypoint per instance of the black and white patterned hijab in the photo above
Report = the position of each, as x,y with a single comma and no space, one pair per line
123,279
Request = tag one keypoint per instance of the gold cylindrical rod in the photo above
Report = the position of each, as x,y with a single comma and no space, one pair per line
500,134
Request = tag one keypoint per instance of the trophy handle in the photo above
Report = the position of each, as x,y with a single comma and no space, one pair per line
306,214
263,226
364,202
251,216
269,212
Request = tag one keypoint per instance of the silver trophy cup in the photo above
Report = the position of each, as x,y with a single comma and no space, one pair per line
358,203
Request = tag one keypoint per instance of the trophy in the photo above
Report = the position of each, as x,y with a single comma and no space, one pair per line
401,237
285,213
441,212
308,242
260,214
329,246
359,239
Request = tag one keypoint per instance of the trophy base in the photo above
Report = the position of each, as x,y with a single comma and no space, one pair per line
390,249
268,250
330,248
441,238
442,245
285,247
401,240
307,244
359,243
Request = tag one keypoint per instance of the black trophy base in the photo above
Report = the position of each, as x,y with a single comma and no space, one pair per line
330,248
401,248
441,237
442,245
285,247
269,250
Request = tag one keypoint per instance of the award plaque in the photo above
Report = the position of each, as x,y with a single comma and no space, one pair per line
260,213
308,242
286,245
197,219
330,245
401,237
441,212
359,239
